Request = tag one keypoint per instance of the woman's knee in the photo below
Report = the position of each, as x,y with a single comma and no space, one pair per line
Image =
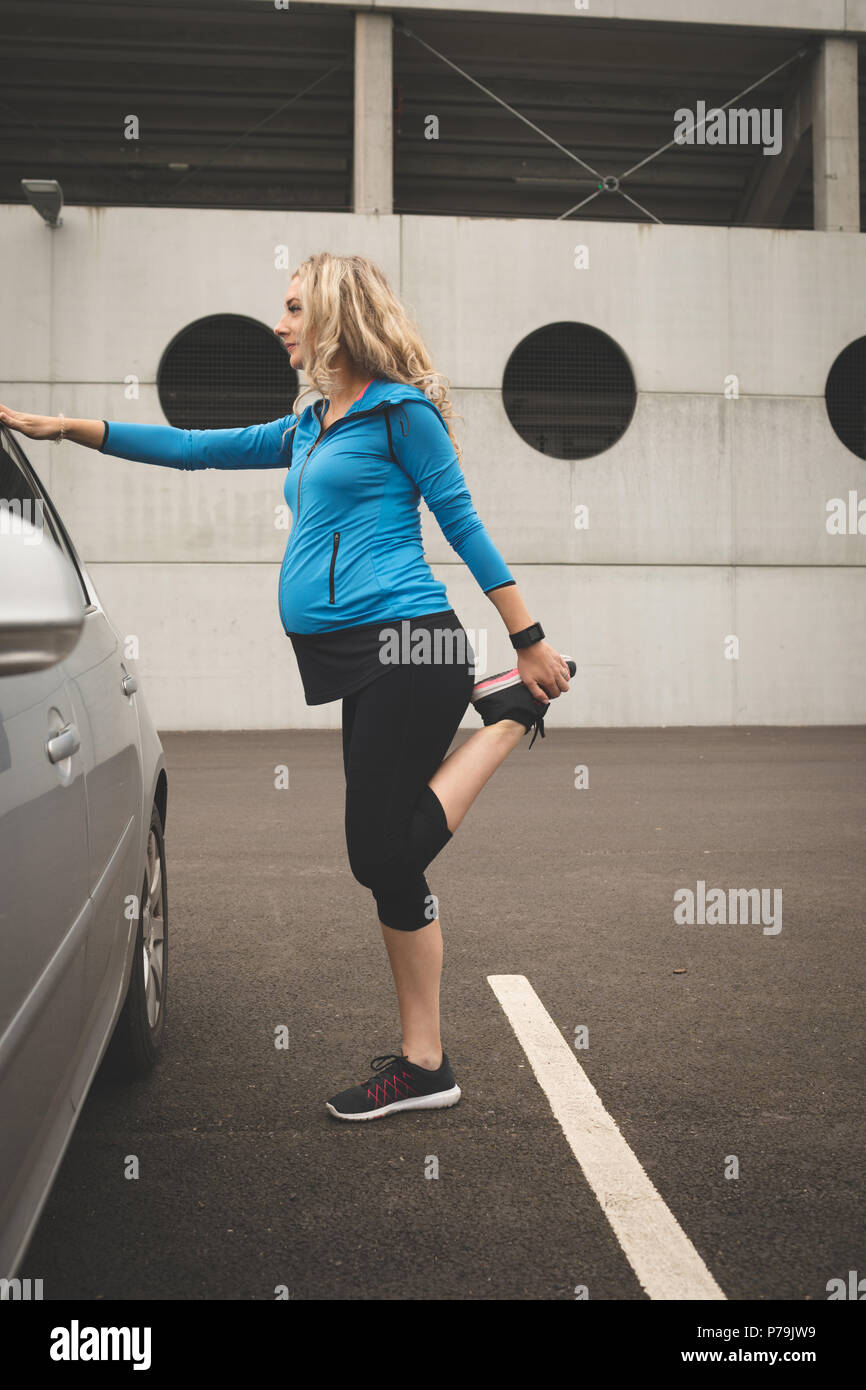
380,874
427,831
403,898
409,912
425,834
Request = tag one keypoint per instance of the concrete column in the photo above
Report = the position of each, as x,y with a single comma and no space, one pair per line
373,174
835,153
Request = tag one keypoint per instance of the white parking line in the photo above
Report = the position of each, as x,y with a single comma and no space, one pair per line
666,1263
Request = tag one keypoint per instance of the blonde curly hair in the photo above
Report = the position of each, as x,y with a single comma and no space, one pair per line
348,303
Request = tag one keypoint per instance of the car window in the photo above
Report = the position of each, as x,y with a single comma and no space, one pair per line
16,491
21,495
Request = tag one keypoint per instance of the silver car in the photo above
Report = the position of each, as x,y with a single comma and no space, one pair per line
83,901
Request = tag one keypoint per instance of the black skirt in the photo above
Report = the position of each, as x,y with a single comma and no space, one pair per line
334,664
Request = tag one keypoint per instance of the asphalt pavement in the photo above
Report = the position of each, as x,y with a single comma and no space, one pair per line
706,1043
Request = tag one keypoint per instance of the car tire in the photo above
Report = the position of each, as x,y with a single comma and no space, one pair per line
137,1038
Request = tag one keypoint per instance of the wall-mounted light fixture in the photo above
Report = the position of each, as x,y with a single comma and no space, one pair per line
46,196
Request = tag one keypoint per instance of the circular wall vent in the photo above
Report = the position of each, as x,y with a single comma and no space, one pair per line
224,372
845,396
569,391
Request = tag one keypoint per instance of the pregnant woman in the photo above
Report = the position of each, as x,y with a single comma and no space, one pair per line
369,623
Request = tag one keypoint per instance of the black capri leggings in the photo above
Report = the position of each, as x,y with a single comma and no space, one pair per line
396,732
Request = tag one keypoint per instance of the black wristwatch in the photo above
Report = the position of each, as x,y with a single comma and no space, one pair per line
519,640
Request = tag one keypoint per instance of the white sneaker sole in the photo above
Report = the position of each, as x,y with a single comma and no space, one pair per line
438,1101
503,682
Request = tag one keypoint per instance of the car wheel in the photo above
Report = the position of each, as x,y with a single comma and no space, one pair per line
137,1037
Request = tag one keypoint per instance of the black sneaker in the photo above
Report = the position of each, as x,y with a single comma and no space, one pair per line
506,696
397,1084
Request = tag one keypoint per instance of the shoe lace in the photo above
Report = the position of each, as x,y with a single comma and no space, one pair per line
390,1059
539,728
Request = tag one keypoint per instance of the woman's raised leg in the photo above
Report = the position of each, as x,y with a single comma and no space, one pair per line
459,779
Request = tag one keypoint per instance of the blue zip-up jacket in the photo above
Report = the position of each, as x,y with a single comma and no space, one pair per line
354,554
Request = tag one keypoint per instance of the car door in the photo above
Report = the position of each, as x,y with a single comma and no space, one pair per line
103,695
102,692
45,913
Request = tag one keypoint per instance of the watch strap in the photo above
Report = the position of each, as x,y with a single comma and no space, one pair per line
529,635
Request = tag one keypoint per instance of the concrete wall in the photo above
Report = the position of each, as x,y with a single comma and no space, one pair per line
707,519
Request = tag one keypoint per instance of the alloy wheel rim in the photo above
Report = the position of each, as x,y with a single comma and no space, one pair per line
153,932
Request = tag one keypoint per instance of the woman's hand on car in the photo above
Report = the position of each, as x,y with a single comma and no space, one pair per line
33,426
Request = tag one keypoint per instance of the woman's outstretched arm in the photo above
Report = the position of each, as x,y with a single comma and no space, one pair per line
87,432
251,446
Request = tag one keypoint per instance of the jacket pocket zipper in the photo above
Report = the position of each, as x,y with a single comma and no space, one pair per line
333,565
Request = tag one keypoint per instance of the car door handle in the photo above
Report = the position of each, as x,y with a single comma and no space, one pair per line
129,685
63,744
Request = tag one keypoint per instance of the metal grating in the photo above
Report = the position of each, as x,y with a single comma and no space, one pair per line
569,391
845,397
224,372
242,105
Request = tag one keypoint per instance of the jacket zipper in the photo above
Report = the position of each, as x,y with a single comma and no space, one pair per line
285,556
333,563
304,464
373,411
